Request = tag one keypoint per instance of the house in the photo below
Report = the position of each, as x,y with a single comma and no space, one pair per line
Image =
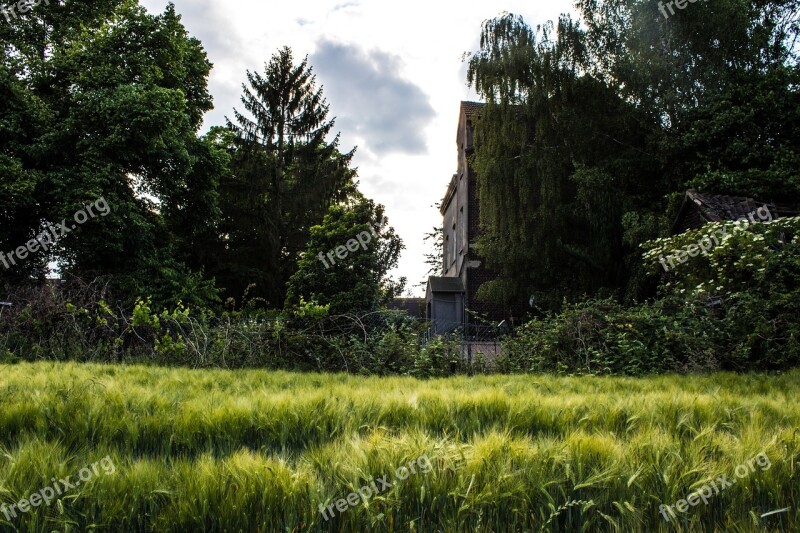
450,299
413,307
699,209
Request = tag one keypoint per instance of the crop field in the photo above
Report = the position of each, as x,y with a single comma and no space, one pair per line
134,448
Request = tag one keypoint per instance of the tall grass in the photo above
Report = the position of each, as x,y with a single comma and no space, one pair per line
214,450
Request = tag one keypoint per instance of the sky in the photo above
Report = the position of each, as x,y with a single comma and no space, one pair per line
393,76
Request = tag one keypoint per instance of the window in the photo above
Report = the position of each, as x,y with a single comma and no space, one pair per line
462,228
454,252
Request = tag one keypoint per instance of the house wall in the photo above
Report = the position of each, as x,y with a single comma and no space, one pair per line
459,223
446,311
461,228
453,262
475,272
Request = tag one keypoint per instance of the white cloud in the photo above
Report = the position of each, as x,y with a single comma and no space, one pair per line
373,101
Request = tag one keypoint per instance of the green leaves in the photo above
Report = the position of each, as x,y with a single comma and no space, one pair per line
348,279
285,174
105,100
588,129
742,256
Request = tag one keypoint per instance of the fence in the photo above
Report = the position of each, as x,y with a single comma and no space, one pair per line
71,321
476,339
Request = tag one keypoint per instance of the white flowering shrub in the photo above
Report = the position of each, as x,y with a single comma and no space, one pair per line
725,258
749,277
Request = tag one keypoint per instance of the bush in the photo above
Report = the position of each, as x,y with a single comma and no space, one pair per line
73,322
440,357
752,328
603,337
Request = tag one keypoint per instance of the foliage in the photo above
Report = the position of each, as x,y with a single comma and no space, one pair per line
284,176
360,281
743,141
750,329
440,357
73,321
754,329
591,127
311,310
600,337
110,111
752,276
740,256
560,158
434,258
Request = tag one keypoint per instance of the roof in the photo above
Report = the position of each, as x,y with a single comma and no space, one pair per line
718,207
445,284
471,108
413,306
700,208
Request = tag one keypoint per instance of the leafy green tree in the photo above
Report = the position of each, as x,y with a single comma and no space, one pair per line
591,135
347,261
559,159
22,115
106,102
721,80
284,176
744,140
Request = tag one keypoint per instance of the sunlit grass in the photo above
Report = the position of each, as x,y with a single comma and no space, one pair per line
217,450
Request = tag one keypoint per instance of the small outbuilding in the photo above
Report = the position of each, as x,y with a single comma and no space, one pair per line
444,303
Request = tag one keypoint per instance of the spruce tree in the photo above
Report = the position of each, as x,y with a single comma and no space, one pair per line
285,174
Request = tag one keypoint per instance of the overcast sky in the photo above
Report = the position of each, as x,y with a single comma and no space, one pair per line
392,74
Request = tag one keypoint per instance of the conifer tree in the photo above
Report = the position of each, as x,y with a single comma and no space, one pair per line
284,176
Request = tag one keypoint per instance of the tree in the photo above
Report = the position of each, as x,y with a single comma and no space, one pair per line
106,100
559,158
589,136
435,257
284,177
347,261
721,80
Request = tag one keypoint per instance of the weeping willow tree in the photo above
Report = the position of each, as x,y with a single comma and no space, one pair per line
556,152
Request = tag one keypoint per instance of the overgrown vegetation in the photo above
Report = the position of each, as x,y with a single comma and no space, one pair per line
74,322
115,112
679,332
594,129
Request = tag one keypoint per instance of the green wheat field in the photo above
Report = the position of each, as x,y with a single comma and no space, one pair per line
215,450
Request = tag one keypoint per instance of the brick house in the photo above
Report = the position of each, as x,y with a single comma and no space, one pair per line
450,299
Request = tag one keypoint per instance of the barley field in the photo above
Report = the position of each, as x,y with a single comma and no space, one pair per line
257,451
